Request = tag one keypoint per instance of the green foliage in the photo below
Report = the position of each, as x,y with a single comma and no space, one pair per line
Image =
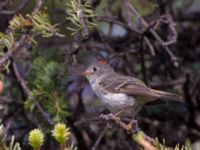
157,145
79,12
46,87
38,23
162,146
6,41
36,138
41,25
19,23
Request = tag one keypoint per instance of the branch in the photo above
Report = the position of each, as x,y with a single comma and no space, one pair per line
99,138
17,46
167,19
117,120
146,141
20,7
143,66
28,93
20,43
80,14
152,31
151,48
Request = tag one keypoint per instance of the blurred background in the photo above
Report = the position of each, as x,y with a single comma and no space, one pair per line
44,44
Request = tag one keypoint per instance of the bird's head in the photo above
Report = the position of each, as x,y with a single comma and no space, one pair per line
97,69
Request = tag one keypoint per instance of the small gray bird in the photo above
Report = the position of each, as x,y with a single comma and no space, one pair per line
122,94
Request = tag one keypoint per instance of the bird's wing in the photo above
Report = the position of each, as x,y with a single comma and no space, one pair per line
130,86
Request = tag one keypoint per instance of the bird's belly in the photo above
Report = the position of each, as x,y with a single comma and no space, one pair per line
118,101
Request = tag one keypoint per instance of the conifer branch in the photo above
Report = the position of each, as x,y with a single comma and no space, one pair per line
28,93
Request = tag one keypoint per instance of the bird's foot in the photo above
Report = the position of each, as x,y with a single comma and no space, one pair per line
109,116
132,125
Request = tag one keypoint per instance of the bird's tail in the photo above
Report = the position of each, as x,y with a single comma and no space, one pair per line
168,96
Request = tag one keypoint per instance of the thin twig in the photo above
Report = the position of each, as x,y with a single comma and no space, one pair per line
152,31
167,19
17,46
143,66
20,7
151,48
105,41
10,121
20,80
81,16
100,137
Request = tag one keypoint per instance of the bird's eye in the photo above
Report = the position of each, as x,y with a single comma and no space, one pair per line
94,69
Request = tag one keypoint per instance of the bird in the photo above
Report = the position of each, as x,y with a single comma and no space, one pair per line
122,95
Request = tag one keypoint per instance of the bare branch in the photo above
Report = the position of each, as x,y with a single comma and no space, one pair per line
100,137
152,31
148,140
20,7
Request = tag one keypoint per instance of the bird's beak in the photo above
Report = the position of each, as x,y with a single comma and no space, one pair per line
86,73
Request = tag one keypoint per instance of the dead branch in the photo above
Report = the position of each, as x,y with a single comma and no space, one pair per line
131,9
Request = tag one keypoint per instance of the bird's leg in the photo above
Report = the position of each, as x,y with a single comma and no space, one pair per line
131,127
133,124
119,112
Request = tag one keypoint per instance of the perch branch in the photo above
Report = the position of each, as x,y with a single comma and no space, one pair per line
146,142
